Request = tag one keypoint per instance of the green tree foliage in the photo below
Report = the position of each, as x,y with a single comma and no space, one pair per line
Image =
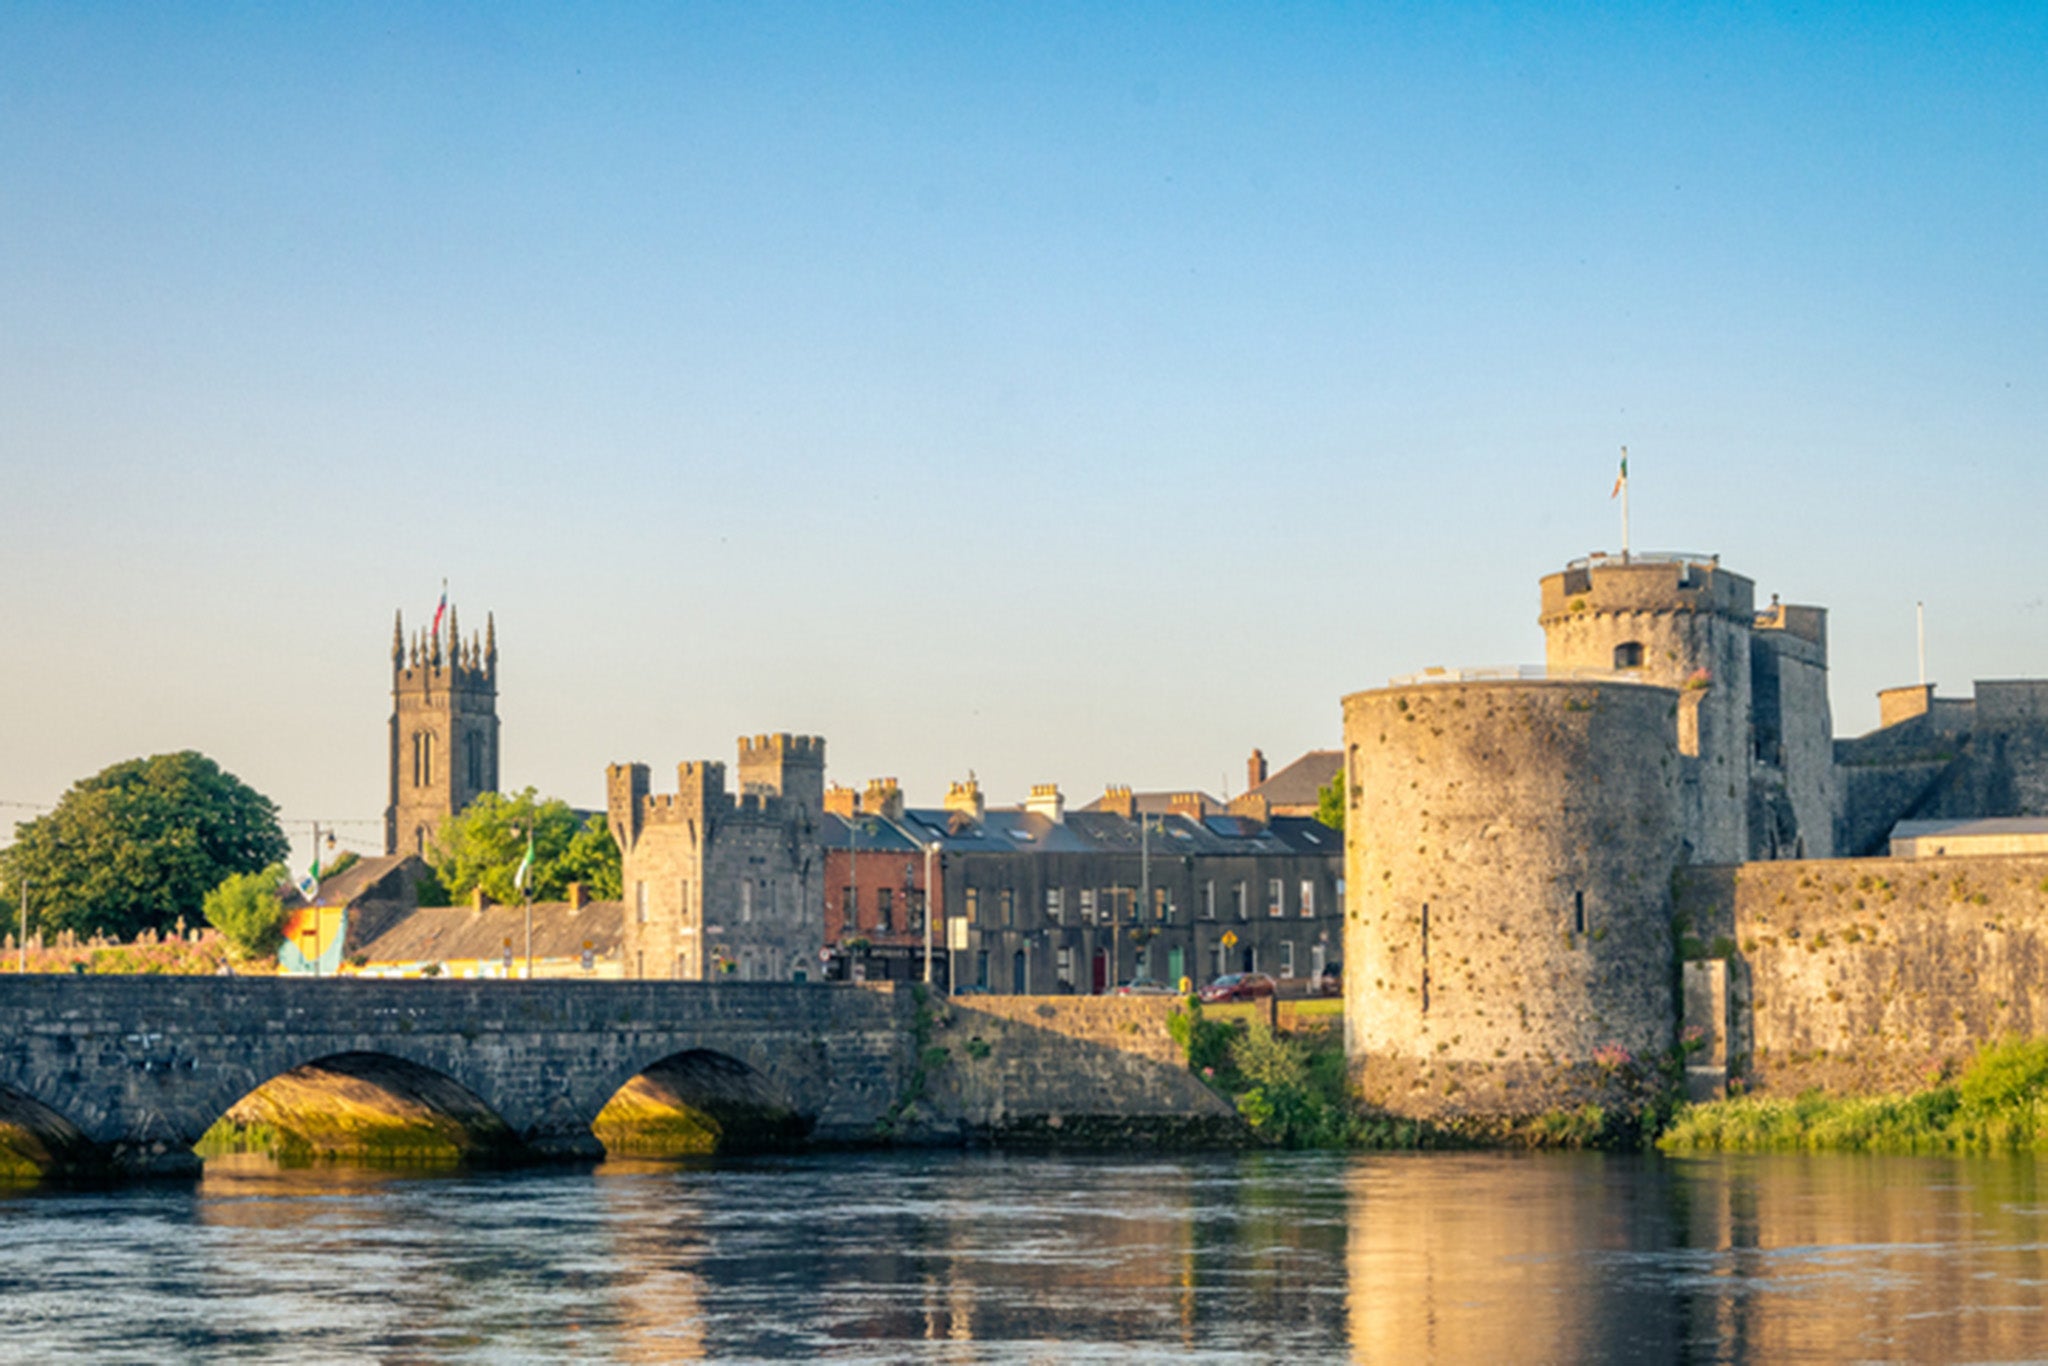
482,847
1330,802
139,845
248,912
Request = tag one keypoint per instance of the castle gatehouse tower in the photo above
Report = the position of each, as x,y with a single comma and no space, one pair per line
1508,845
1680,622
444,729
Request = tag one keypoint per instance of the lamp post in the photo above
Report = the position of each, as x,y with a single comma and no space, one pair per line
931,850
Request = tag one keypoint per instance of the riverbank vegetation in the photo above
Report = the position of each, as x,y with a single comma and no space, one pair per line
1999,1104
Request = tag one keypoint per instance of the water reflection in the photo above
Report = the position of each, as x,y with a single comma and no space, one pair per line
970,1258
1591,1258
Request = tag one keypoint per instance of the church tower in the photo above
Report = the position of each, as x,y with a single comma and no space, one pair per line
444,729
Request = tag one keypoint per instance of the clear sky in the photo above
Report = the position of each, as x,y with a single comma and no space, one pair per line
1081,394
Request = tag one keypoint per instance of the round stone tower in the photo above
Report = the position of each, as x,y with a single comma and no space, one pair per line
1508,853
1683,622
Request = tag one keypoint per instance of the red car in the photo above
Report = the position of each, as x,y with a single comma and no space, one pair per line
1238,986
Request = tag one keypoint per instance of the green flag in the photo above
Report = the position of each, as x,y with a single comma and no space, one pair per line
525,873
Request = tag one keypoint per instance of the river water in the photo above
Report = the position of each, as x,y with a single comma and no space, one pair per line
970,1257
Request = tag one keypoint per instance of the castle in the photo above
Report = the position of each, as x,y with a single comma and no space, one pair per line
1517,840
718,882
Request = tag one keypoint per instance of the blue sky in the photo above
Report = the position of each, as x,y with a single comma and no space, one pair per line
1057,394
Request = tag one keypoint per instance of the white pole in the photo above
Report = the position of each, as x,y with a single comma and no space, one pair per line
21,948
1920,630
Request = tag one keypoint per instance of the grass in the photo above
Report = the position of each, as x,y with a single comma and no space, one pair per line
1998,1105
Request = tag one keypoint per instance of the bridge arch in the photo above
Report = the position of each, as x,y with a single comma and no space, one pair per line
37,1143
699,1100
359,1104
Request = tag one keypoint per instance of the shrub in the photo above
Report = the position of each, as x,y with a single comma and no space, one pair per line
246,909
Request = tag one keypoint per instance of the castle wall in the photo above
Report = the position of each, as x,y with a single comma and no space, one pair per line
1860,975
1508,850
1793,733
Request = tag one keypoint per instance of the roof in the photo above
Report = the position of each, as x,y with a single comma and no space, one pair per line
1160,803
1301,782
365,879
442,933
1016,831
1963,828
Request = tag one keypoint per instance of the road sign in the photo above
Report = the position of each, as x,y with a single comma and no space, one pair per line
1230,939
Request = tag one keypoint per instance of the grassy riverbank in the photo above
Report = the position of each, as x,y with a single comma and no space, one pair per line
1999,1104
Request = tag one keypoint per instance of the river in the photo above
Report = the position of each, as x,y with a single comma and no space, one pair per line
971,1257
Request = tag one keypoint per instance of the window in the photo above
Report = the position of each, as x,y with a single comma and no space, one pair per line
1628,655
849,910
1159,903
1308,896
1287,958
1239,901
1007,904
973,910
981,967
1053,907
1339,907
885,907
913,909
1063,966
1578,912
683,901
747,900
1088,905
1209,899
640,903
1276,896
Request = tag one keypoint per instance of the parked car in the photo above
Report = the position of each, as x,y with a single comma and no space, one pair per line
1144,986
1239,986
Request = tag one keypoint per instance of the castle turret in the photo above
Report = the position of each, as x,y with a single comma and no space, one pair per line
1678,621
1509,845
443,736
788,766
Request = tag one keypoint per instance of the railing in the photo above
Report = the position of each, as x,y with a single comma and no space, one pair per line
1603,558
1510,673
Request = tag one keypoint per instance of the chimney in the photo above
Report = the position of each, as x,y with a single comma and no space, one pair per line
579,896
479,900
1045,800
965,798
1187,805
883,798
841,801
1255,769
1118,801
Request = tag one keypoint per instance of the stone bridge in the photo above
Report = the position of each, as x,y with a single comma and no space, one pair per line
133,1070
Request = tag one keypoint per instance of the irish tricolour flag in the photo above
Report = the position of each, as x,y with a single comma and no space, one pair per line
1621,480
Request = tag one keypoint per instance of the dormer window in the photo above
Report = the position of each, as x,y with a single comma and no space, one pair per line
1628,655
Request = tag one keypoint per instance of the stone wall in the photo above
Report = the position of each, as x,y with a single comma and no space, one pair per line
1508,849
1858,975
1090,1069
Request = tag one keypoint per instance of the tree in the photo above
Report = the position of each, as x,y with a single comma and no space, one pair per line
482,847
1330,801
248,912
138,846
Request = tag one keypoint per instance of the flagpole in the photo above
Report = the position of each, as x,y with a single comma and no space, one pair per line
1624,505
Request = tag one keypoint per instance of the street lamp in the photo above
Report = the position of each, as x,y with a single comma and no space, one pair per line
931,850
